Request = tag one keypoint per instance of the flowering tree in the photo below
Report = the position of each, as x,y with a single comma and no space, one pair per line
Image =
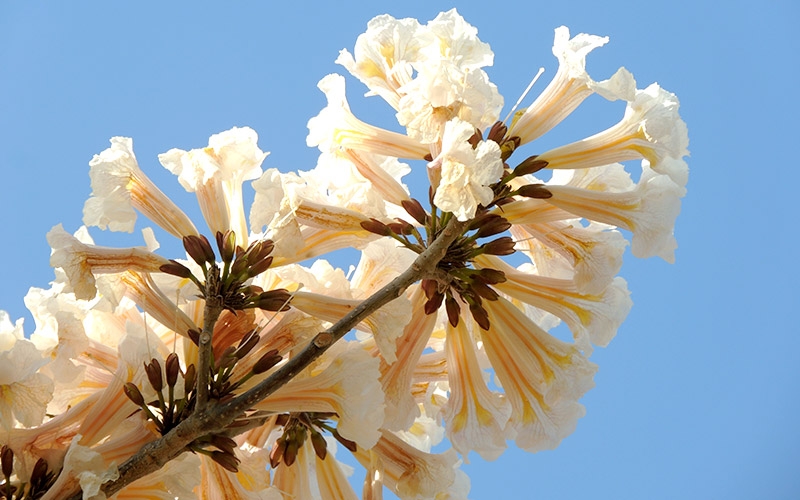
263,369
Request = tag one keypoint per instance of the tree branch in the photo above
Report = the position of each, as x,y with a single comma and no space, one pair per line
156,454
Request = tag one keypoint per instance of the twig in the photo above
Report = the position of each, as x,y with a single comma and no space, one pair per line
156,454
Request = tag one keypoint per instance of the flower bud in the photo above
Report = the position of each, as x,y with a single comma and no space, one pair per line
175,268
189,378
226,243
7,459
276,453
199,249
479,315
273,300
453,310
415,210
500,246
529,165
267,361
224,443
376,227
497,132
535,191
153,370
227,461
173,366
492,224
133,393
319,444
432,305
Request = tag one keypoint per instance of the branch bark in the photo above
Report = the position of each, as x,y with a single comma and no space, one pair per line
156,454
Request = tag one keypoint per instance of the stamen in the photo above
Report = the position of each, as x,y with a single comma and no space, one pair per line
528,89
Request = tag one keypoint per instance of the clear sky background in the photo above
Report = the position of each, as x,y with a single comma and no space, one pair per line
698,395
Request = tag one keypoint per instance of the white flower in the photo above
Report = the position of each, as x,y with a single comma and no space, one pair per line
119,186
384,55
466,172
216,174
24,393
569,87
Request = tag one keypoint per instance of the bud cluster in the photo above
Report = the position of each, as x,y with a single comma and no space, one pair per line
238,267
40,481
297,428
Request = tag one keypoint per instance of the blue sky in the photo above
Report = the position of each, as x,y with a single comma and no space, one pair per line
696,395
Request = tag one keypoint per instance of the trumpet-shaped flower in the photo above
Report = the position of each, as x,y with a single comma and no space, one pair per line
119,186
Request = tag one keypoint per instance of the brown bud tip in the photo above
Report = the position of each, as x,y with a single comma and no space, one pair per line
224,443
7,459
490,276
133,393
497,132
319,444
198,248
259,267
228,461
453,310
475,138
432,305
480,316
267,361
189,378
175,268
491,225
173,366
194,336
247,344
500,246
483,290
153,370
377,227
226,243
39,471
273,300
429,287
276,453
529,165
290,452
415,210
535,191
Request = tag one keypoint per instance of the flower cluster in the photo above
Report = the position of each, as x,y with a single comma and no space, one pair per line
260,359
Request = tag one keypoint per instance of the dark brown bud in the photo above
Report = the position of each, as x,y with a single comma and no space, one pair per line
39,471
173,366
415,210
430,287
432,305
260,266
227,461
494,224
7,459
484,291
290,452
497,132
490,276
267,361
529,165
377,227
189,378
194,336
224,443
535,191
500,246
475,138
153,370
319,444
199,249
133,393
247,344
175,268
226,243
479,315
276,453
453,310
273,300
